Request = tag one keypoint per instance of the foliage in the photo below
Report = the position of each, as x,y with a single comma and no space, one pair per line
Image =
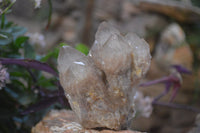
27,86
82,48
196,2
29,90
5,6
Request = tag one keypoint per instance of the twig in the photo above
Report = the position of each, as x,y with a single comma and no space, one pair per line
50,14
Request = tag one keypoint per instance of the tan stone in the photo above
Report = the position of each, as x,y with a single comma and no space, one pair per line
65,121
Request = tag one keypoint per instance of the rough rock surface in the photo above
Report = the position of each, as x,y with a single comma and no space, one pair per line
65,121
101,86
179,10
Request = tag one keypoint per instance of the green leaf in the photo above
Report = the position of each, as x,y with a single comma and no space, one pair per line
12,93
18,83
2,21
5,38
8,24
18,31
20,40
46,83
27,98
62,44
29,51
18,73
82,48
52,54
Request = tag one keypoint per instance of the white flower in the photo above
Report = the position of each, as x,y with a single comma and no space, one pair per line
4,76
37,39
37,3
143,105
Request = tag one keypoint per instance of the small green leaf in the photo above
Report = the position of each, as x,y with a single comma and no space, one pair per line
82,48
46,83
51,54
8,24
26,98
5,38
29,51
18,83
62,44
20,40
18,31
2,21
12,93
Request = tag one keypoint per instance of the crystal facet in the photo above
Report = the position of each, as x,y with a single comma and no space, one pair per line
100,86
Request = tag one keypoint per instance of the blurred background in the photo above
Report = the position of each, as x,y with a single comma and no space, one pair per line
171,27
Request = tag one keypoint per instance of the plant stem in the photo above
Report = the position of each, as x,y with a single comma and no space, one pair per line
9,6
50,14
29,63
2,21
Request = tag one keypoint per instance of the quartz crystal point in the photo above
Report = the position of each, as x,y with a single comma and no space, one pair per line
100,87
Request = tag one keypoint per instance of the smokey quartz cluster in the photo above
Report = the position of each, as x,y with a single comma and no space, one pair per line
101,86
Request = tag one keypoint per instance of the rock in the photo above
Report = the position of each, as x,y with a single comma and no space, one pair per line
101,86
65,121
172,48
196,129
128,10
20,6
173,35
179,10
102,12
145,24
171,129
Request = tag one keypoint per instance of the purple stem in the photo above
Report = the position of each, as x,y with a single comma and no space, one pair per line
47,101
58,96
40,105
181,69
168,85
29,63
60,92
161,80
35,81
175,90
